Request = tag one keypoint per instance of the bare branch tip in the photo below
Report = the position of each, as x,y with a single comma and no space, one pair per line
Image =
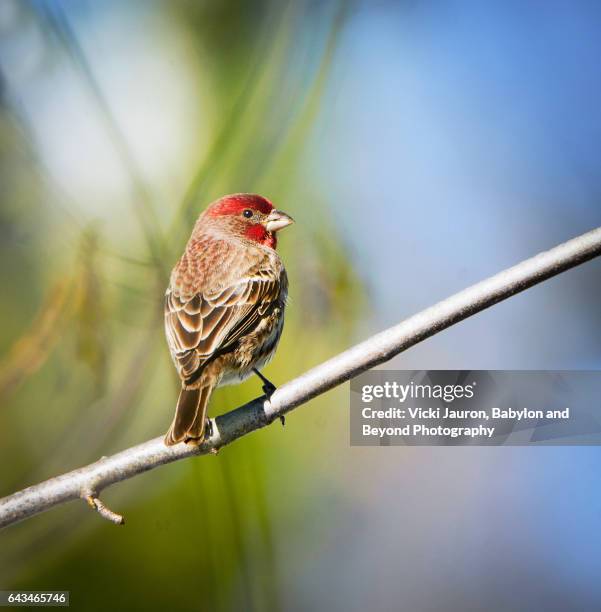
104,512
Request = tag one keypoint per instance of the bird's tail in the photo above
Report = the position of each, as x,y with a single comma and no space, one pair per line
190,416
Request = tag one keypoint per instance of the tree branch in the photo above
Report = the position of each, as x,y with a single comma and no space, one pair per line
87,482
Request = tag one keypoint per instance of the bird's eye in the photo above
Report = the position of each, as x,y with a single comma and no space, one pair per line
248,213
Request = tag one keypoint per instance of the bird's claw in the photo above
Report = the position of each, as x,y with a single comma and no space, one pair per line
269,389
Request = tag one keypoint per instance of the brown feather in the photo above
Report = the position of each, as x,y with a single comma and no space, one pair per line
185,413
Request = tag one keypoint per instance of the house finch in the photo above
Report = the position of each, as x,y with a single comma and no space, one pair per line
224,307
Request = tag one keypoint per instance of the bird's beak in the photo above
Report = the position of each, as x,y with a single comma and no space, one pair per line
277,220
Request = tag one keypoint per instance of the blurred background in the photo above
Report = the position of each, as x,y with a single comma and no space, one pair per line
421,146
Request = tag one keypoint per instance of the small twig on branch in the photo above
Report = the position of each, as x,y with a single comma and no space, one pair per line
104,512
261,412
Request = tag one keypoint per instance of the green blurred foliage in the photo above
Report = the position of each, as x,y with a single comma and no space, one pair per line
84,368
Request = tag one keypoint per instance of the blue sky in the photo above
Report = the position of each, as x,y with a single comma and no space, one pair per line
458,138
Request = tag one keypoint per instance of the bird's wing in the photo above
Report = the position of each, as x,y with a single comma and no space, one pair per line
204,325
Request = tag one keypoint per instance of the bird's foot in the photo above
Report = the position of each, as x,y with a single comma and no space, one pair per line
268,387
208,433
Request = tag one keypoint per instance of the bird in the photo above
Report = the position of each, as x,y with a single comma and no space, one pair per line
224,306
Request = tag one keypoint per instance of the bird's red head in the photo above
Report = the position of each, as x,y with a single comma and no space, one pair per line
248,216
